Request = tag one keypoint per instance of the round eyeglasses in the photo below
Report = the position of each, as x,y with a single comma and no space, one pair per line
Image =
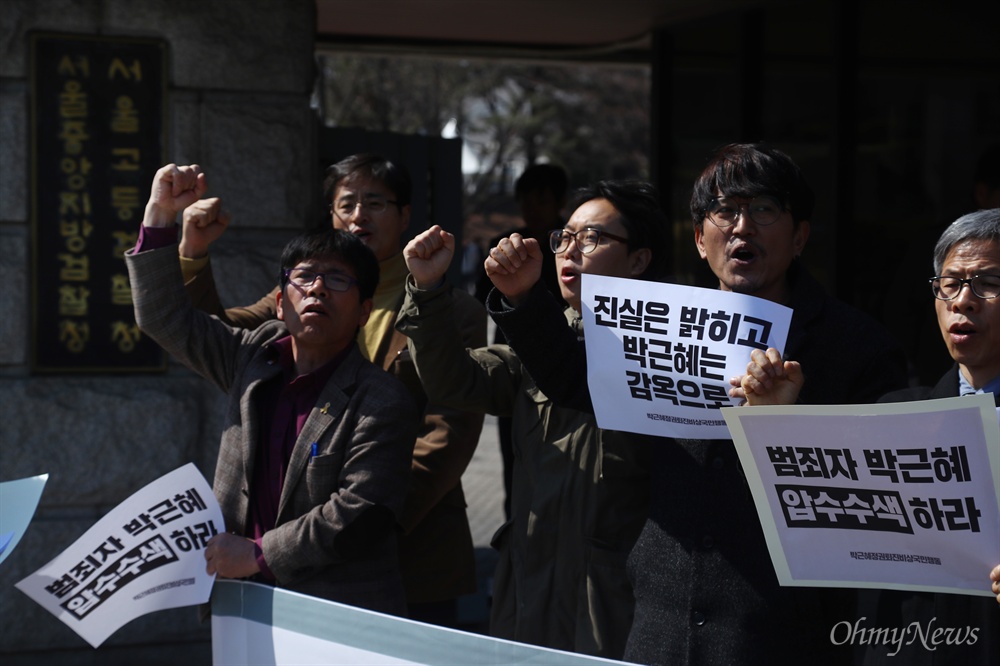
947,288
334,281
374,204
586,239
763,210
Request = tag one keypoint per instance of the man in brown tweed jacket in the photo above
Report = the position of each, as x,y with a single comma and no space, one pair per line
315,454
370,197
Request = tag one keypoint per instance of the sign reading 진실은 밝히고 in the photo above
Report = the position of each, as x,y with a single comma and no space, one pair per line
659,356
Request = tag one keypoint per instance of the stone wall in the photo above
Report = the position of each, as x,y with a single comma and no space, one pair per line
240,76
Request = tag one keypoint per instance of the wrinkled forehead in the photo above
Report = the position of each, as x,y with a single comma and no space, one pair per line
984,252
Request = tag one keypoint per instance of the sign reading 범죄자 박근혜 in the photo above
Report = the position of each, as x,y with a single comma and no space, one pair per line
146,554
894,495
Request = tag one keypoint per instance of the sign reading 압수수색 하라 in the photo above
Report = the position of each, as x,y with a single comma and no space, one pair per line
147,554
895,495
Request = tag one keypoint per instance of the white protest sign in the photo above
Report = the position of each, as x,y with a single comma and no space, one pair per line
659,356
18,501
147,554
898,496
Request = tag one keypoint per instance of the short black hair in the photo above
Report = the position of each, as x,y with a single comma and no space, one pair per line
748,170
542,177
333,244
395,176
638,206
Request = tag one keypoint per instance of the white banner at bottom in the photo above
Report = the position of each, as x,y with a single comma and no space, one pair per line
258,624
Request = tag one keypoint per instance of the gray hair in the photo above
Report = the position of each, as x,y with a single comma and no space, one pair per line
982,225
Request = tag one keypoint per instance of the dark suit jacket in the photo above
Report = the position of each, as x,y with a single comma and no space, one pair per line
705,587
334,535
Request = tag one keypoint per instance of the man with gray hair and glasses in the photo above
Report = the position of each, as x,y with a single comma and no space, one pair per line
966,289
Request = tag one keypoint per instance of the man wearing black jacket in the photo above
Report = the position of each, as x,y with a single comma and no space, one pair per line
706,591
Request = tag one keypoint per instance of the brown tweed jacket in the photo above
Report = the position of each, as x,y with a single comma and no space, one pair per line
435,548
335,535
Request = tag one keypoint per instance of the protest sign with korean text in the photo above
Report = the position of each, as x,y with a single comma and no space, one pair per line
659,356
147,554
896,496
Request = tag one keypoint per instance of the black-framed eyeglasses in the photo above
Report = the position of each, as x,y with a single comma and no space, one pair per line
334,281
587,239
947,288
762,209
374,204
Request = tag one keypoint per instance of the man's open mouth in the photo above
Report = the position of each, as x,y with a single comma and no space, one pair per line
744,252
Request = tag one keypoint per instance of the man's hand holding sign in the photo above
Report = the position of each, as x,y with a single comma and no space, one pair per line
769,380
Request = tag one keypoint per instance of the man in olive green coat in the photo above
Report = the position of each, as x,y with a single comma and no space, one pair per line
579,494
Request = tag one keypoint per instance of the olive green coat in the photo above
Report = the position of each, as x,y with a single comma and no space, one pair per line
579,494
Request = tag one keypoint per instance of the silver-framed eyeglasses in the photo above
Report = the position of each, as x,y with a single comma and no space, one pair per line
947,288
587,239
373,203
763,210
305,278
